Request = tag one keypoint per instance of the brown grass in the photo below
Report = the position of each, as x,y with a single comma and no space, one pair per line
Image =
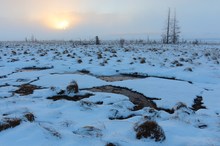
150,129
30,117
10,123
70,98
26,89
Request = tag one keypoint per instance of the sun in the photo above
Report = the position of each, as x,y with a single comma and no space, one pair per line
62,24
60,21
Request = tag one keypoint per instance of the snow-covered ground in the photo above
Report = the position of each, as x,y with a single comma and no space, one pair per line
172,73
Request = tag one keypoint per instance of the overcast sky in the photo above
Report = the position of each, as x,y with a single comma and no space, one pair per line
109,19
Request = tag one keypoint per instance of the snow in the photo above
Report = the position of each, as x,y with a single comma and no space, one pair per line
85,122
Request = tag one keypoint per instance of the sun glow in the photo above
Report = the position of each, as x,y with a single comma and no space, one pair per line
62,25
60,22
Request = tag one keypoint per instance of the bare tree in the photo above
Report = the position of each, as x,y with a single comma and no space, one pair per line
166,34
168,28
172,30
122,42
175,30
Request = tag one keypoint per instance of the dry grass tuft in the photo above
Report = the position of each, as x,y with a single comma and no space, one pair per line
26,89
150,129
30,117
9,123
72,87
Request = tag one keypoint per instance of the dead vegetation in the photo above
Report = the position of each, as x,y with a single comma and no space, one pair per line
198,104
150,129
35,68
9,123
52,131
72,87
30,117
70,98
26,89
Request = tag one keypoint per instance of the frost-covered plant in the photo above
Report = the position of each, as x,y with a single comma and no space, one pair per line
72,87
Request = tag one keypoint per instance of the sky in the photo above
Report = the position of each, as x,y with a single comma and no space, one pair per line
108,19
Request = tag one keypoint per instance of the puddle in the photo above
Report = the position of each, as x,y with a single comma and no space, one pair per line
112,78
136,98
141,75
116,78
122,76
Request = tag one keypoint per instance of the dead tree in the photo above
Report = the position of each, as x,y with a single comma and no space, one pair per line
175,30
172,30
166,35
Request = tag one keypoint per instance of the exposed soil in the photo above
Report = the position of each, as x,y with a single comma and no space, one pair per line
70,98
137,98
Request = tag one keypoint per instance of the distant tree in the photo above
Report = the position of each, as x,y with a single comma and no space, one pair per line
122,42
97,41
166,34
32,38
175,30
195,42
172,30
